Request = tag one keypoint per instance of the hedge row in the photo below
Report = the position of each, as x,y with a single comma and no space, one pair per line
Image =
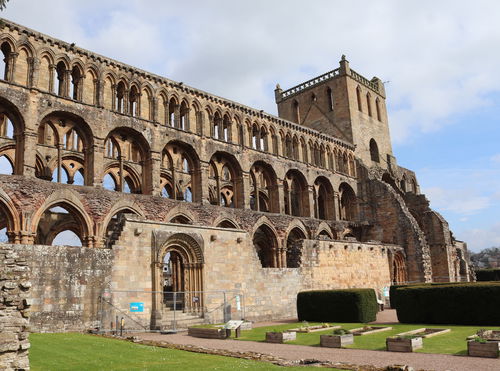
458,304
351,305
393,298
488,274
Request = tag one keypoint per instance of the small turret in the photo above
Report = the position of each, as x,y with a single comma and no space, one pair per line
344,66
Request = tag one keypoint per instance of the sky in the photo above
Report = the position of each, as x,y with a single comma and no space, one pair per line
439,61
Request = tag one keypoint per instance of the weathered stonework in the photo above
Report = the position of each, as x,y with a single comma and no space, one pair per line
14,309
170,188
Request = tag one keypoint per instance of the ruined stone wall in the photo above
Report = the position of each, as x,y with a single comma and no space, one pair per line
14,309
66,283
394,224
231,264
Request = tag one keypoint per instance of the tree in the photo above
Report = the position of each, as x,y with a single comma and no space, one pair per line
3,4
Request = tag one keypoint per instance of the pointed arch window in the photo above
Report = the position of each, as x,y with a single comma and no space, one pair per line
358,98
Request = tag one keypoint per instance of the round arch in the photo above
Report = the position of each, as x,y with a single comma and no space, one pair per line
296,193
323,199
79,222
179,269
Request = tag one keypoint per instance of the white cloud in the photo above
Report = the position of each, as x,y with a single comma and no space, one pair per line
482,238
437,55
460,201
496,158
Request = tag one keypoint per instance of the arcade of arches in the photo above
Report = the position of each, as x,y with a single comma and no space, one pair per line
134,182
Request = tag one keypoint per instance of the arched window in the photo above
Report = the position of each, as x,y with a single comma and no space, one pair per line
296,194
263,188
329,99
358,99
180,172
266,246
172,107
374,154
255,137
347,203
226,129
369,104
6,66
133,101
126,152
61,224
120,97
294,247
263,139
295,148
304,150
61,79
67,141
323,199
296,112
76,84
184,116
216,126
225,181
402,184
377,107
6,165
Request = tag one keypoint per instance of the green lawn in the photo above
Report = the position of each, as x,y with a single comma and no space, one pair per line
72,351
449,343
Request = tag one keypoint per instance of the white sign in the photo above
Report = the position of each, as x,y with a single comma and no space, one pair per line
233,325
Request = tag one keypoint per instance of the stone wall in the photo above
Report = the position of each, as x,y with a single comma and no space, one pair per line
14,304
66,284
231,264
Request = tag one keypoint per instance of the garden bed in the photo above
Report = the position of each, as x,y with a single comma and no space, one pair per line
403,344
366,330
280,337
488,349
316,328
426,332
336,341
207,333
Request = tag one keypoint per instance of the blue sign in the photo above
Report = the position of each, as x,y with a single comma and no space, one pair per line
137,307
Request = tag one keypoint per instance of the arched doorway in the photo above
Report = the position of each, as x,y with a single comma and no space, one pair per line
398,267
177,275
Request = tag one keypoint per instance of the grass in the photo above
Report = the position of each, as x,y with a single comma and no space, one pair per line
452,342
70,351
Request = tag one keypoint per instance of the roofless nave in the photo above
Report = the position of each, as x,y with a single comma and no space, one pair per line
182,190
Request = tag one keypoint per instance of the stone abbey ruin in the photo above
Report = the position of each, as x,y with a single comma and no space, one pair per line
168,189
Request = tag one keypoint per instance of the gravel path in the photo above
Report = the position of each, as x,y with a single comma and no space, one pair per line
419,361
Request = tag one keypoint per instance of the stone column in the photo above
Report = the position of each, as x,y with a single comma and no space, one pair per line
52,74
34,69
203,195
155,170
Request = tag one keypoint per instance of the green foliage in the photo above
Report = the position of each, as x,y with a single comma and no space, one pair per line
352,305
460,304
452,342
3,4
488,274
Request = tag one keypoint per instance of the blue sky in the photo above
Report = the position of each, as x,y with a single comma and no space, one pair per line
440,59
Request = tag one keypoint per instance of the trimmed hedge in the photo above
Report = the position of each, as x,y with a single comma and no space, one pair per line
458,304
393,298
488,274
350,305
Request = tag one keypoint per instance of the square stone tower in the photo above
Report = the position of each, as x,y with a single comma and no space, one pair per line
344,104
